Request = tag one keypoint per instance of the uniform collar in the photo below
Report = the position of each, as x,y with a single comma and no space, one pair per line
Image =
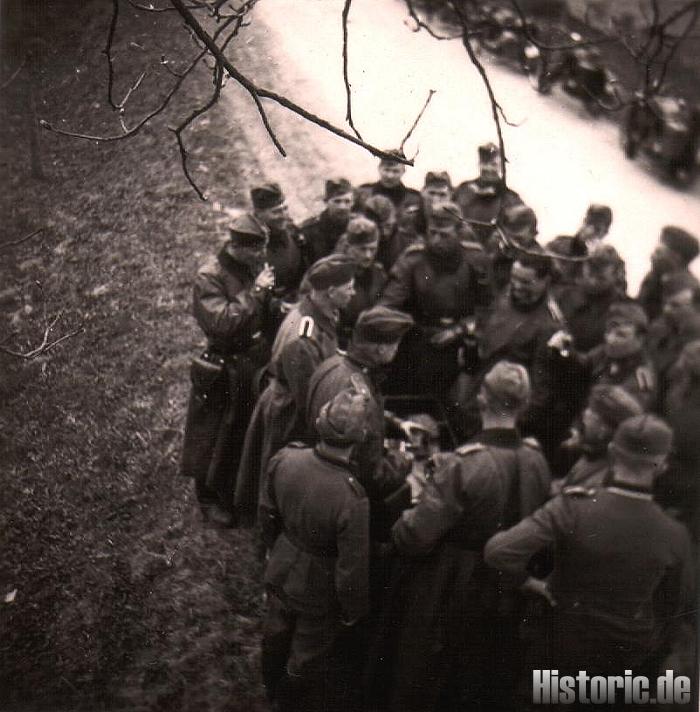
500,437
331,455
229,263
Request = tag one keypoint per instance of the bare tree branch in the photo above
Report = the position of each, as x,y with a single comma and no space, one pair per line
134,130
218,83
496,109
130,91
346,80
14,243
46,345
418,118
259,93
153,8
107,51
14,75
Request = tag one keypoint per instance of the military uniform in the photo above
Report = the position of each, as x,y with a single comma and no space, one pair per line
483,202
651,290
379,475
369,284
445,604
284,254
321,235
231,312
520,334
401,196
439,294
315,520
279,415
622,574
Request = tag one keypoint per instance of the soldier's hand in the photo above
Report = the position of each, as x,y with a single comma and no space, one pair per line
266,278
561,342
538,587
445,337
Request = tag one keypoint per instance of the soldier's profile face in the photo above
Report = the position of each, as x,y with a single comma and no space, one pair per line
341,295
276,217
490,170
339,206
599,278
441,235
679,306
622,340
364,255
390,174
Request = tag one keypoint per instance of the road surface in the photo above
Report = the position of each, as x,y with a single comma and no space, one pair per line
560,160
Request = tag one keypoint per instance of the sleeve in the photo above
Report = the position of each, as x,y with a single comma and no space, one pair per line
352,565
510,551
268,514
439,508
219,316
298,361
397,291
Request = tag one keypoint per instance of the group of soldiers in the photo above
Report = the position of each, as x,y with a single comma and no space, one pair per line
403,569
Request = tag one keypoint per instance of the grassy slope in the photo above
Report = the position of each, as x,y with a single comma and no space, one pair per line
123,599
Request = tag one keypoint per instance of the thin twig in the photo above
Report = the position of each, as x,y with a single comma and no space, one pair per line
131,90
45,344
346,80
418,118
107,51
14,243
15,74
218,82
259,93
134,130
496,109
152,8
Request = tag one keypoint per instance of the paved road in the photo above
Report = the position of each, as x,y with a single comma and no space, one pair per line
560,159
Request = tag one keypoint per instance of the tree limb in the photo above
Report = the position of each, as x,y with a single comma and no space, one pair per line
107,51
14,243
46,345
418,118
346,80
259,93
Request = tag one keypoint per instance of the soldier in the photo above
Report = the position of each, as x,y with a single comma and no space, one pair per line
621,360
315,520
521,322
307,336
596,225
607,407
284,249
678,325
673,255
231,293
391,242
483,198
390,186
374,343
518,232
586,303
321,233
622,577
444,285
360,243
447,606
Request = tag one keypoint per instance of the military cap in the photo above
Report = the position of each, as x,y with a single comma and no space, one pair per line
381,325
343,420
438,178
361,231
337,186
508,383
613,404
598,214
267,196
643,436
626,313
603,255
689,361
378,208
331,271
488,151
681,242
519,221
247,230
445,213
400,156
